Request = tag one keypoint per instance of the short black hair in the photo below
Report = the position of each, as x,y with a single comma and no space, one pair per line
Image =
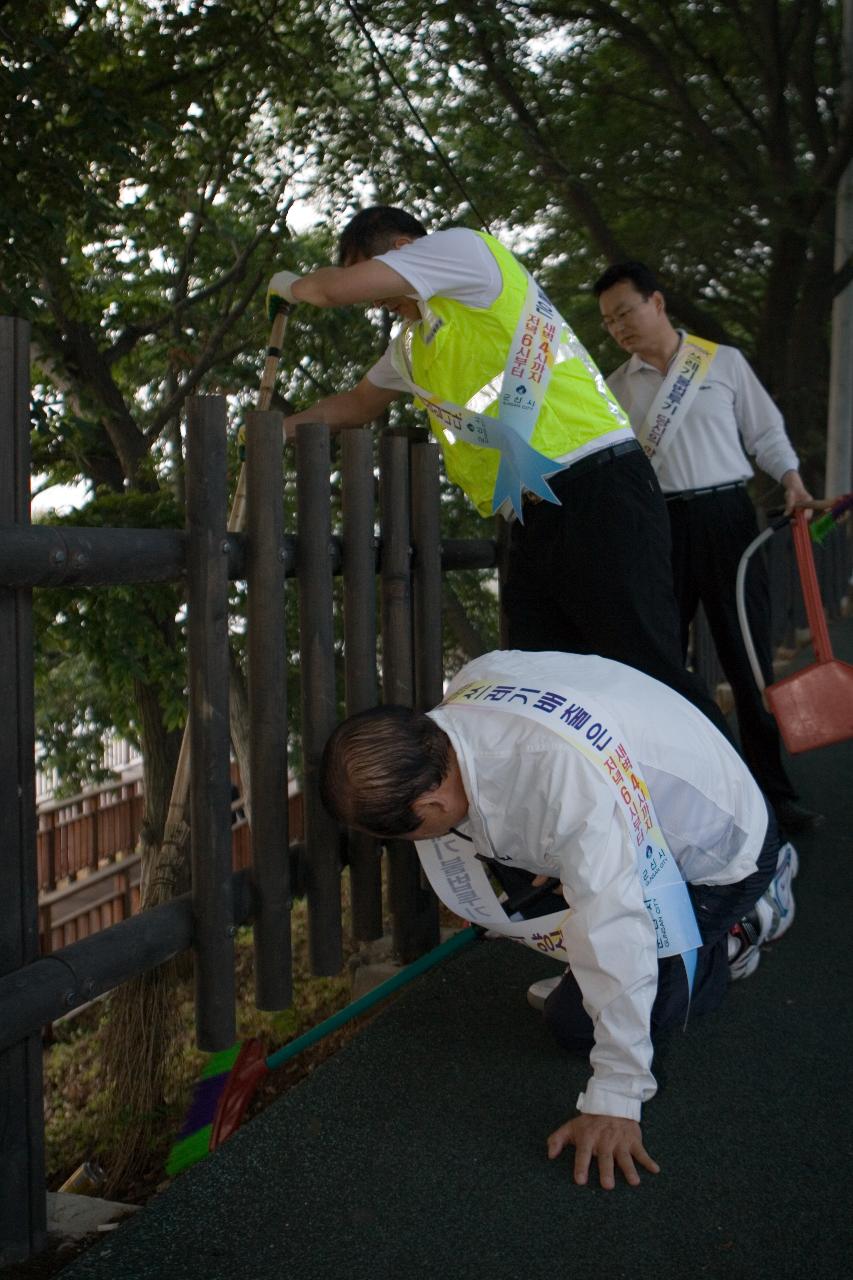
378,763
371,230
640,276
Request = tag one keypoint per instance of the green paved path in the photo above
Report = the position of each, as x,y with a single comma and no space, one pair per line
419,1150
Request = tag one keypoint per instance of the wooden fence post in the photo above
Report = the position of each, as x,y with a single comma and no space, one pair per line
23,1214
268,709
319,704
209,737
412,906
361,692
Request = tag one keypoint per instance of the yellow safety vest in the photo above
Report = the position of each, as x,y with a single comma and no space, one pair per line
456,359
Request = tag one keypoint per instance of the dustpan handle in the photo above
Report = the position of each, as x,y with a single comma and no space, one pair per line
811,590
740,596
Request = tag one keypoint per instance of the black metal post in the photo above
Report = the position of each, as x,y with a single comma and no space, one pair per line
316,640
268,709
426,573
411,907
361,692
210,781
23,1221
429,662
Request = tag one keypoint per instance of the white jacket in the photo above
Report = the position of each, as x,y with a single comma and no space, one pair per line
537,803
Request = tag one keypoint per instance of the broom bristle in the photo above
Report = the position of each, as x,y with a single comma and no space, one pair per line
188,1151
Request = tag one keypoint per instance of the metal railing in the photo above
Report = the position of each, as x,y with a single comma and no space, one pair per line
119,757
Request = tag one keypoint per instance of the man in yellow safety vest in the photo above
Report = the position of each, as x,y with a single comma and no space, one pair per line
527,427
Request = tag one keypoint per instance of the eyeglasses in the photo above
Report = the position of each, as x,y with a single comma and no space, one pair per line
609,323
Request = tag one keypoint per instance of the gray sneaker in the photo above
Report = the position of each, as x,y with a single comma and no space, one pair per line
779,894
771,916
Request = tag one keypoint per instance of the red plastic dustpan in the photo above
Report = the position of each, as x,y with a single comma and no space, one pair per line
814,706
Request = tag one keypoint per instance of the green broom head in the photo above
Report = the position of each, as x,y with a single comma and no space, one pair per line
193,1142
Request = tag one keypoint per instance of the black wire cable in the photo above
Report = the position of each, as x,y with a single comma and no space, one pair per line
362,25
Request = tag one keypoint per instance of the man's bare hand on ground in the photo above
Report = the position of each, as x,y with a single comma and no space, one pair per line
609,1139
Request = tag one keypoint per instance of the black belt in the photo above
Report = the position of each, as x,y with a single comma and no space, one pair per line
685,495
597,459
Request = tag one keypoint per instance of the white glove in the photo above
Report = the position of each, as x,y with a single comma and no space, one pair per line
280,289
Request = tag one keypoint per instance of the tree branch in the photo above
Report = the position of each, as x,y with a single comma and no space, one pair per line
209,356
78,350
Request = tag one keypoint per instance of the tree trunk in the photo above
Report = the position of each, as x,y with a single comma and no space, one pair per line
238,705
144,1021
162,879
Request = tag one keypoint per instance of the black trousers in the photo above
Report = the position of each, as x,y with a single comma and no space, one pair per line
594,575
717,908
709,535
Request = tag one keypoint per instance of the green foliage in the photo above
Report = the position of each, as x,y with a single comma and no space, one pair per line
75,1103
151,155
81,1122
94,647
707,140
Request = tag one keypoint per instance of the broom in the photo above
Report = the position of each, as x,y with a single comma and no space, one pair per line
231,1078
833,510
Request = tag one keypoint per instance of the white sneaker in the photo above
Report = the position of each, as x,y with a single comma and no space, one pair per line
779,894
538,992
771,916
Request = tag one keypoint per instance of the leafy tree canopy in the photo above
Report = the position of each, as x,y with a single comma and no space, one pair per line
153,155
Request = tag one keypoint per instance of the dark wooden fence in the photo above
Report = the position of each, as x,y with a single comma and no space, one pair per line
392,559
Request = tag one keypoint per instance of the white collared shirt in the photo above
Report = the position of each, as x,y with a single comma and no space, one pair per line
730,412
456,264
459,265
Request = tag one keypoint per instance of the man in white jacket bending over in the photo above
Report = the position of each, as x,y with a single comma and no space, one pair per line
590,773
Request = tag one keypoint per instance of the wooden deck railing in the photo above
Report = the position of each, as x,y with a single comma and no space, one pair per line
88,867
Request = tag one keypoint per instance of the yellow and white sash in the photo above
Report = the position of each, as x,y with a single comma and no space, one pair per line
675,395
541,340
458,877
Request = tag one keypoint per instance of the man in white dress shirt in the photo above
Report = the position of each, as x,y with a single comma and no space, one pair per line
594,775
695,406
